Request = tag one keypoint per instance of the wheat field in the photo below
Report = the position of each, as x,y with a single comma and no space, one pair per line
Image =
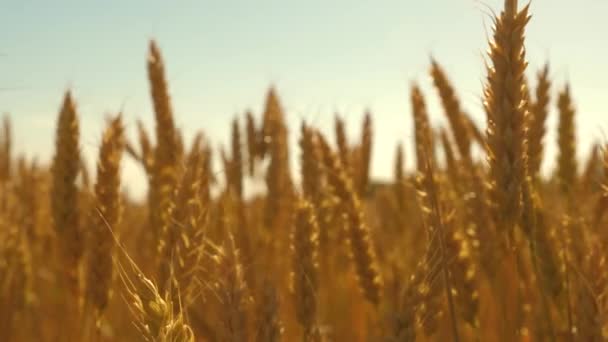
472,244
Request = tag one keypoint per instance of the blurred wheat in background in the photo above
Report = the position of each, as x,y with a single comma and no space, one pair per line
474,244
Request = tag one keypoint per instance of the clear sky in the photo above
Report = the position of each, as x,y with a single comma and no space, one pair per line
322,56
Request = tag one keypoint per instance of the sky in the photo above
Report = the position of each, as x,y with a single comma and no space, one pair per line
323,57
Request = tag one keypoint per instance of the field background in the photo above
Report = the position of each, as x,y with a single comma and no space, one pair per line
318,172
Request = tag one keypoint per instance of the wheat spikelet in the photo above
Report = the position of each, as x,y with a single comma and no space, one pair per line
537,119
460,246
504,102
342,142
566,142
363,168
252,142
236,168
314,186
437,231
269,326
64,194
363,254
243,236
452,166
16,274
540,251
422,132
542,243
278,179
451,106
464,274
196,147
590,179
321,193
27,189
85,178
527,102
147,150
305,268
591,295
602,201
207,177
475,132
179,144
399,178
402,326
311,166
105,216
5,150
426,298
235,203
191,219
233,294
362,251
183,236
226,166
272,120
153,313
166,153
177,331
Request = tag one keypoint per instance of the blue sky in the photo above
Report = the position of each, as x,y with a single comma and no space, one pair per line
322,56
